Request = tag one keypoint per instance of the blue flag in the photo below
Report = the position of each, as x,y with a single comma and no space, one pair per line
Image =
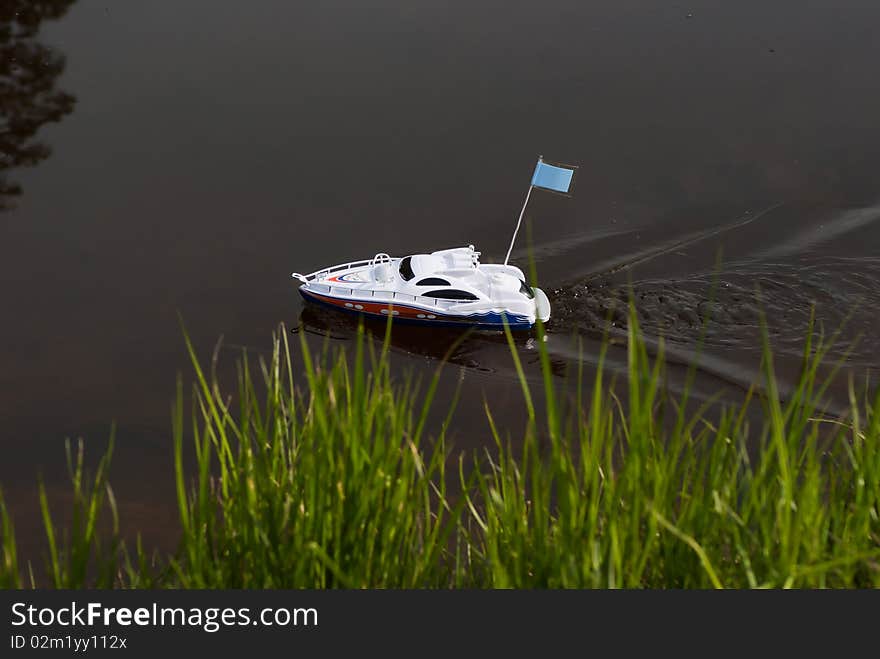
551,177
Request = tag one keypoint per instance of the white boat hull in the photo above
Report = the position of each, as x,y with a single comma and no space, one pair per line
490,295
423,315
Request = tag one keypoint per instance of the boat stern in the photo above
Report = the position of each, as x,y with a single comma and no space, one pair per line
542,305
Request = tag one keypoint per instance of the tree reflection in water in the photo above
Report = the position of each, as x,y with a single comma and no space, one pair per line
28,98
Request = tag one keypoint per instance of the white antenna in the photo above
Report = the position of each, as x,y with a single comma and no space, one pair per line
521,213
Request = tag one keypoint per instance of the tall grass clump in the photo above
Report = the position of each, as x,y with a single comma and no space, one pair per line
643,494
330,486
87,552
324,474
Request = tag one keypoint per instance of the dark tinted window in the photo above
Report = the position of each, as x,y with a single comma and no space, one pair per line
452,294
433,281
526,290
406,270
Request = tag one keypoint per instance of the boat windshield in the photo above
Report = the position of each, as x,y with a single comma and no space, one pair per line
526,290
451,294
406,270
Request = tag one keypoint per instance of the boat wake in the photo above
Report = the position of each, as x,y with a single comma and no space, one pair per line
812,270
728,307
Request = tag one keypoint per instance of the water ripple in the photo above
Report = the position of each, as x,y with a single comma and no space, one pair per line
842,292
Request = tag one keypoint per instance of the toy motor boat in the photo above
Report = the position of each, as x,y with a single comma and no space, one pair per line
445,288
449,287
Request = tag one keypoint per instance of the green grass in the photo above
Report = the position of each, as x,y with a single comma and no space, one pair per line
338,484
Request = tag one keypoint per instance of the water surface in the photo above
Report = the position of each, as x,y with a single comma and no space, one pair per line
194,154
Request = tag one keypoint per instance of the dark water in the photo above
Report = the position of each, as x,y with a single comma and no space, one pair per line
201,151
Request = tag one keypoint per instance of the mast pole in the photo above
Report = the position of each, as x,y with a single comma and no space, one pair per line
521,213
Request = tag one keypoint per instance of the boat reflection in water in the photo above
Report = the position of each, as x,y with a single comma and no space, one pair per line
479,351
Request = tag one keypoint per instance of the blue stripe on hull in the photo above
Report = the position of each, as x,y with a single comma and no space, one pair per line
490,320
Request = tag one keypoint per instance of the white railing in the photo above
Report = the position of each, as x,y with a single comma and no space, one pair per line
318,275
